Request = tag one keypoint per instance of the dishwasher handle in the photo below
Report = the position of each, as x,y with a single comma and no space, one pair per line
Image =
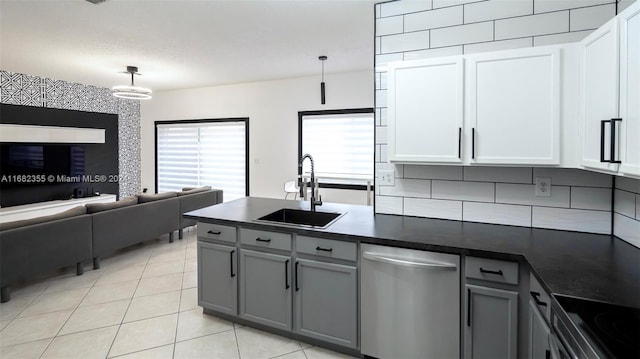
408,262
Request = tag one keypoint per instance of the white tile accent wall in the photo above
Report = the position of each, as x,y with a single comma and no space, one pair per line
626,217
580,201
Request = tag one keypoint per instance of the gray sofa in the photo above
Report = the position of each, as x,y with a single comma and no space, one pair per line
43,244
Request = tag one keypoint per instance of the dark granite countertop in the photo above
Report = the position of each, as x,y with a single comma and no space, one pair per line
594,266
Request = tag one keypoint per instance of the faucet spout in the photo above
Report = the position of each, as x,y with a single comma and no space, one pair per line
314,201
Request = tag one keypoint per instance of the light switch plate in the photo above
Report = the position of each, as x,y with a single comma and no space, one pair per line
386,178
543,187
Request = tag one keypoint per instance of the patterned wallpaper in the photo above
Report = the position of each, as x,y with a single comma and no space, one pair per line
21,89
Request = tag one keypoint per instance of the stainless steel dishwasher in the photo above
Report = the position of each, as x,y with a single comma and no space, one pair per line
410,303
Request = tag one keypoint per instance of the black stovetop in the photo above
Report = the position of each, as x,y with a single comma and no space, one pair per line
612,330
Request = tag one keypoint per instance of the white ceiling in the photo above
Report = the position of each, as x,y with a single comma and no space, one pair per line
184,43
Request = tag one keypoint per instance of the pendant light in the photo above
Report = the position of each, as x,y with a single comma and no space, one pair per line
132,92
322,96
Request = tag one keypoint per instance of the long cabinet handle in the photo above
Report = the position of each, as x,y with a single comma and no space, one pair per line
297,287
468,307
318,248
409,263
459,142
488,271
231,263
286,274
263,240
536,299
602,125
473,143
613,140
214,233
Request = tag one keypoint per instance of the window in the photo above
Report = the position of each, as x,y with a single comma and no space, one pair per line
341,143
197,153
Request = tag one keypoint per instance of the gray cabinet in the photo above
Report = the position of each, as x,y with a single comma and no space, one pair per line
326,301
538,333
491,323
265,288
217,277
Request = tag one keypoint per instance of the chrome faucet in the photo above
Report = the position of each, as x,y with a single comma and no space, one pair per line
314,202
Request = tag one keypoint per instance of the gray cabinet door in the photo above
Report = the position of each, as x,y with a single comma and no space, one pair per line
491,323
326,301
217,278
265,288
538,333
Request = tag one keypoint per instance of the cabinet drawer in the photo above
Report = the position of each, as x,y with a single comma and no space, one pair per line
540,297
216,231
327,248
491,270
265,239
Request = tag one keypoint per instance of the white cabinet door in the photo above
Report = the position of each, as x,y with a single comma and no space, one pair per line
629,25
425,110
514,106
599,95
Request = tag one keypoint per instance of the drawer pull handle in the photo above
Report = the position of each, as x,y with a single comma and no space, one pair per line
487,271
263,240
318,248
214,233
536,299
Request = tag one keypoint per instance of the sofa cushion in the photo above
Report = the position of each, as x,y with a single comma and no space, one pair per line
144,198
99,207
75,211
192,190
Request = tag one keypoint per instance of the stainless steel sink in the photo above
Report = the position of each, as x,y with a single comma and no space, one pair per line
300,217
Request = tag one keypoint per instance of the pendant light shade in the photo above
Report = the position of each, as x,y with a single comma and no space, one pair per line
131,92
322,86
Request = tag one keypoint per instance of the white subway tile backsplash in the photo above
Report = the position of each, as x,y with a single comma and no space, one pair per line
542,24
580,220
628,184
405,42
397,169
381,135
525,194
383,60
555,5
383,80
464,34
573,177
591,17
463,191
377,45
498,45
383,117
384,153
497,213
498,174
389,205
408,188
623,4
591,198
625,203
430,53
403,7
381,98
433,208
560,38
443,3
433,172
496,9
389,25
627,229
448,16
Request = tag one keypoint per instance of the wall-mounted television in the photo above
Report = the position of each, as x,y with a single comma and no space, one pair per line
30,164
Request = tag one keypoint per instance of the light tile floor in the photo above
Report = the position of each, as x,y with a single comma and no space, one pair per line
141,303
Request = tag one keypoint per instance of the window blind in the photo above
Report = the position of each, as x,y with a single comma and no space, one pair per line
342,146
202,154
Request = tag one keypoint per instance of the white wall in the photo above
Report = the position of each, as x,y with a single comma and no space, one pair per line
272,108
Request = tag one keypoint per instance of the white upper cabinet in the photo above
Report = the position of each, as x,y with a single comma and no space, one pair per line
629,29
513,100
426,110
610,95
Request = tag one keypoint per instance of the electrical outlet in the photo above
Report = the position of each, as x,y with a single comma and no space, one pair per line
543,187
386,178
